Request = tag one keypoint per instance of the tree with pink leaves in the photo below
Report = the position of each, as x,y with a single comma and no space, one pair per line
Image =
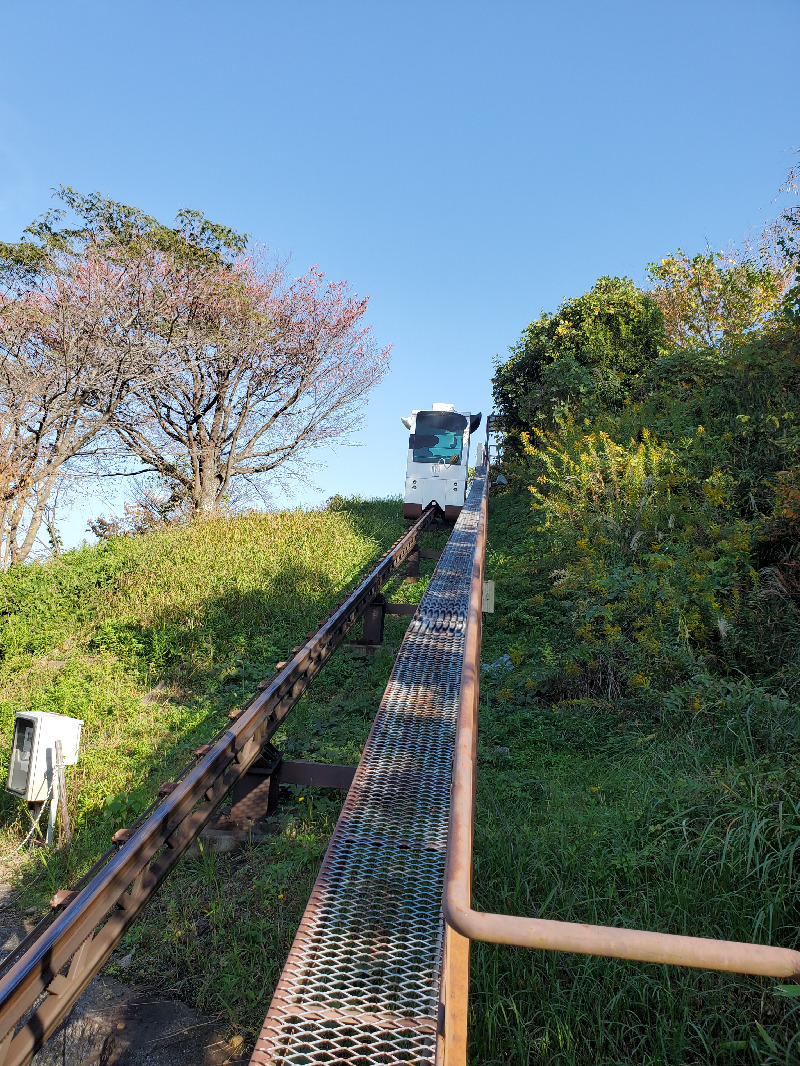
255,370
167,350
71,347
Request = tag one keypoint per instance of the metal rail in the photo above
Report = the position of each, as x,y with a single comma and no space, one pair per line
44,983
363,980
464,922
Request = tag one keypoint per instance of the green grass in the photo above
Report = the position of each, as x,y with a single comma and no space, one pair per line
678,812
196,616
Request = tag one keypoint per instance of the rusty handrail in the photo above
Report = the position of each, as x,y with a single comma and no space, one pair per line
636,944
95,920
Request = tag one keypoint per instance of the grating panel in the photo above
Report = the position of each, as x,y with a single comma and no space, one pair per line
362,981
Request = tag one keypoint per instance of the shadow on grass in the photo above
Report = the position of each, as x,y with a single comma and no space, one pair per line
197,670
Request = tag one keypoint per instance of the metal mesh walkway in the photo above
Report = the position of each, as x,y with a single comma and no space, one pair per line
362,981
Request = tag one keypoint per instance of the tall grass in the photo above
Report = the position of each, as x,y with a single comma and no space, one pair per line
643,559
597,817
152,640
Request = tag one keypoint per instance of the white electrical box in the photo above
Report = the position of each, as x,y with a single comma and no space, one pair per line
31,772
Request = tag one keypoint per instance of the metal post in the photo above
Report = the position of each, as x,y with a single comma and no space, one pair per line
373,621
60,787
452,1049
412,566
53,797
51,820
255,794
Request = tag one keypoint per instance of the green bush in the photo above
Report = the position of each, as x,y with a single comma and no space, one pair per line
585,357
646,549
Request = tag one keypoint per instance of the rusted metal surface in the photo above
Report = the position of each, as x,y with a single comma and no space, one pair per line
412,566
62,897
316,774
452,1045
255,794
44,982
363,981
635,944
374,615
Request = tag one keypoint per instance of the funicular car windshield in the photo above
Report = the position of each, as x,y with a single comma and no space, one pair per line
438,437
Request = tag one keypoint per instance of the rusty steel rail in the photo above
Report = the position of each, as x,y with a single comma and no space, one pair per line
363,979
41,987
635,944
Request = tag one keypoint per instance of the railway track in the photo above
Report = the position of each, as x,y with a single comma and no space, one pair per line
363,981
43,978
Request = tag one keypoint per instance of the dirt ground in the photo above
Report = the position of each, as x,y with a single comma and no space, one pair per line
117,1024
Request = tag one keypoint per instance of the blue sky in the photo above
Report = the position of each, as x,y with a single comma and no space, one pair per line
466,165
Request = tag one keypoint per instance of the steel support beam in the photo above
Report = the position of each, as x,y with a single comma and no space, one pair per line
454,1009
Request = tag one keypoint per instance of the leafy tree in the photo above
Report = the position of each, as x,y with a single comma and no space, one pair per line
77,308
252,371
171,345
119,230
716,299
589,353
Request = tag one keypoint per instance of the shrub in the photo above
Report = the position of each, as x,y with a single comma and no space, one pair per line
585,357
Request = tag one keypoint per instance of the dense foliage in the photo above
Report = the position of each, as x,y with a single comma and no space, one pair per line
589,352
670,527
717,298
647,553
666,491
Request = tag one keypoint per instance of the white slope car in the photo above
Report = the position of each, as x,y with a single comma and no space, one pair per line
438,459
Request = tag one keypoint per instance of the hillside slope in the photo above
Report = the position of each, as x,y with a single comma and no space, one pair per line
152,640
195,615
641,755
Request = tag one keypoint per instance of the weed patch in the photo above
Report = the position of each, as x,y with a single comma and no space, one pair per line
152,640
651,724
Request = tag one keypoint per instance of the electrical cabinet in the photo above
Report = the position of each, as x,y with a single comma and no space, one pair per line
32,767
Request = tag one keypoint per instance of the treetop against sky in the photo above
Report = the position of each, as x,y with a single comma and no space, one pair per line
465,165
